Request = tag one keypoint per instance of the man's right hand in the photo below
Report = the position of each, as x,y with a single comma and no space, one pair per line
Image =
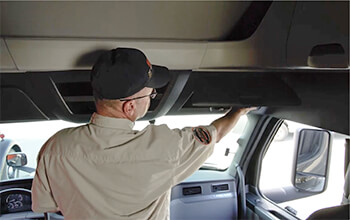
225,124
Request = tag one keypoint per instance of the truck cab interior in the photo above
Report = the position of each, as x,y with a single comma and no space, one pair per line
290,59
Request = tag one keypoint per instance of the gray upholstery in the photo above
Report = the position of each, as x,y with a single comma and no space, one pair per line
337,212
346,195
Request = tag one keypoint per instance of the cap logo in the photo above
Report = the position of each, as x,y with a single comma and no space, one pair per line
148,63
150,69
149,73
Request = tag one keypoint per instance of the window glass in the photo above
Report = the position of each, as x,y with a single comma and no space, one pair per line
277,167
224,150
28,137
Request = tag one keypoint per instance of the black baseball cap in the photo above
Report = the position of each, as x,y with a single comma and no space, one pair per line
122,72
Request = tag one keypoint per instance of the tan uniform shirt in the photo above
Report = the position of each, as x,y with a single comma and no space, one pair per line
106,170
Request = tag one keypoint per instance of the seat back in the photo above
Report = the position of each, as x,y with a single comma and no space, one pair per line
337,212
346,195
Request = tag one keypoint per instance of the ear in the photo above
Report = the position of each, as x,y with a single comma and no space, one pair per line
129,109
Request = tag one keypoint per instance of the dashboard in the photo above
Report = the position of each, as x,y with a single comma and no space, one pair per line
204,195
15,200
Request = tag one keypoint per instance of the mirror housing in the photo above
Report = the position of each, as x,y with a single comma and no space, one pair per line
311,160
16,159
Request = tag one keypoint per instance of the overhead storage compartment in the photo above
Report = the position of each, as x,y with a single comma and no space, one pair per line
13,101
206,89
318,98
315,97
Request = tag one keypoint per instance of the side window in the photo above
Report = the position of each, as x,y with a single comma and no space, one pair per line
26,138
277,170
224,151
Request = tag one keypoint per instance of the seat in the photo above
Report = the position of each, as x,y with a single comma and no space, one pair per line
346,195
337,212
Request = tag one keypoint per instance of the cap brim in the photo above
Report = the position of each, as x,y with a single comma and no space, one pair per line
160,77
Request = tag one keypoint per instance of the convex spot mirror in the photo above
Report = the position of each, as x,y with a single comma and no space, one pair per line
16,159
311,160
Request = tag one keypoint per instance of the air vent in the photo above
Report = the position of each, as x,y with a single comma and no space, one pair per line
218,188
191,190
78,96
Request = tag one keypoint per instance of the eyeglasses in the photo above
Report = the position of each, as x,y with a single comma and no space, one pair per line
152,96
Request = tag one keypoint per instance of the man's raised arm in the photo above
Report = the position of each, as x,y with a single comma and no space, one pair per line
225,124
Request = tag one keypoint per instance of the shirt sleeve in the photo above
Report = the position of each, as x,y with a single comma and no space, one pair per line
42,199
196,145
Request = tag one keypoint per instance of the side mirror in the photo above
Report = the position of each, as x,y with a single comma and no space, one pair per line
311,160
16,159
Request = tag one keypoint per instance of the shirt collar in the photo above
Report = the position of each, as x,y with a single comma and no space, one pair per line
109,122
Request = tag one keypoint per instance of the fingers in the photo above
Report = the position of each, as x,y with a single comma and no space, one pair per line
252,109
240,111
244,111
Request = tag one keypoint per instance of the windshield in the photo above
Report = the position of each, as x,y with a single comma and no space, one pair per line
28,137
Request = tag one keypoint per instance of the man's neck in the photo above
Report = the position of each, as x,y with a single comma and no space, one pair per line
112,113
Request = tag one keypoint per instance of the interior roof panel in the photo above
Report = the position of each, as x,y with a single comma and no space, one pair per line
63,54
5,57
141,20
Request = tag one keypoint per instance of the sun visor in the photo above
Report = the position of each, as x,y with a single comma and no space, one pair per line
239,88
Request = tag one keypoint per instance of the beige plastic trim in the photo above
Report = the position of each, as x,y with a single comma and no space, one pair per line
6,62
266,48
62,54
318,23
180,20
276,41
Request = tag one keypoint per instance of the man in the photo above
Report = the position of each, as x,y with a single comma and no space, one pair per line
106,170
